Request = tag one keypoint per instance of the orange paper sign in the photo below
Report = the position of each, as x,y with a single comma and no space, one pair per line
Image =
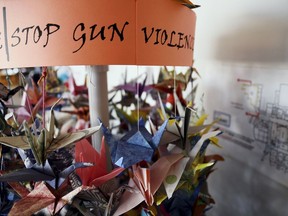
95,32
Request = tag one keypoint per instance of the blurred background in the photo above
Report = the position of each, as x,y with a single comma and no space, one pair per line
241,52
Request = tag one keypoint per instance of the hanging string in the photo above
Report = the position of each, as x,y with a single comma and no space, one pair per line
23,83
9,84
43,77
1,163
138,97
29,102
91,74
1,168
174,92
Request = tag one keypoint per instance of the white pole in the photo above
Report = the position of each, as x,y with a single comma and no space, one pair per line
98,100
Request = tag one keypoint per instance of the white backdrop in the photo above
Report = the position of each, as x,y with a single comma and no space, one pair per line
241,51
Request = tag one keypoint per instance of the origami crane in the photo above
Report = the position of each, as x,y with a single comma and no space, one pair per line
47,141
92,201
99,173
74,88
4,126
6,94
177,132
53,84
168,170
133,87
135,146
132,118
43,196
34,94
78,101
181,136
6,199
42,173
192,194
146,182
32,101
81,112
168,80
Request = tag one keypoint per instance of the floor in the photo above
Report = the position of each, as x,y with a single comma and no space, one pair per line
241,190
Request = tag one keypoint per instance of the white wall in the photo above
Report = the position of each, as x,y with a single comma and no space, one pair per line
250,32
244,39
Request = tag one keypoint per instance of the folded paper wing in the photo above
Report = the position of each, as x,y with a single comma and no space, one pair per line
42,173
39,198
69,138
48,140
174,175
99,173
137,145
158,172
178,132
141,179
56,143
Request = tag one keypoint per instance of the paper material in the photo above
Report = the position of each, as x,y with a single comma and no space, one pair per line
131,199
33,95
174,175
177,133
5,93
141,179
39,198
19,188
97,32
41,173
135,146
99,173
74,88
46,142
198,145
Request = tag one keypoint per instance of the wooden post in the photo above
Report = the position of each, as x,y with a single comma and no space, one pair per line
98,100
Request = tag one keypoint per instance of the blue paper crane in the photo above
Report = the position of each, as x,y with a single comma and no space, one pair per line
137,145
